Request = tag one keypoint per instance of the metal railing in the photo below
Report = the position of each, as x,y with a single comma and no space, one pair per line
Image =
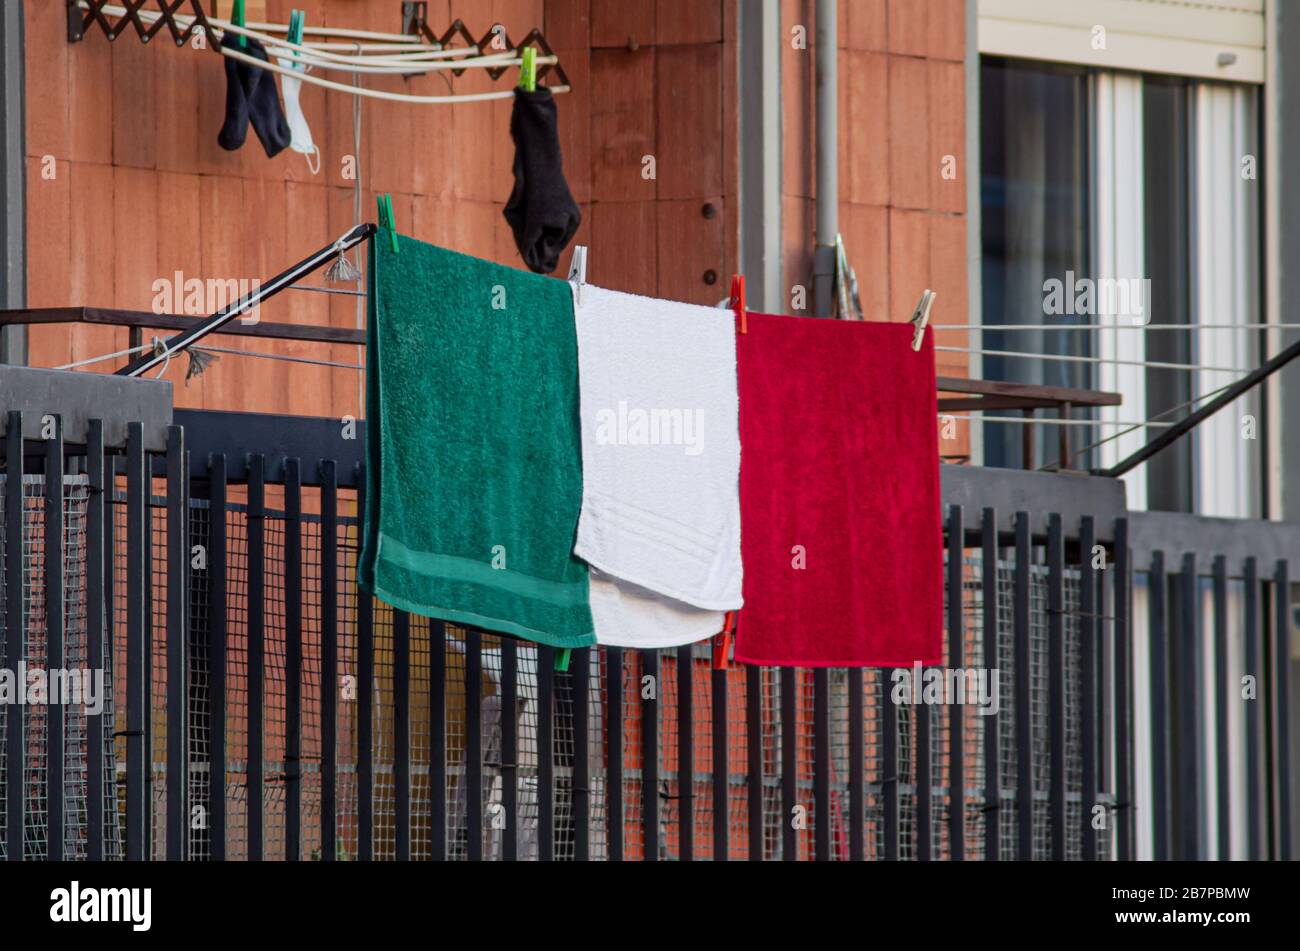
261,708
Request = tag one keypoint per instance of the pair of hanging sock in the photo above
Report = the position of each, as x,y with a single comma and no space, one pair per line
251,97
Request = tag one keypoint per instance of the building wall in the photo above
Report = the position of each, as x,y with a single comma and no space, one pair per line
136,188
126,183
902,112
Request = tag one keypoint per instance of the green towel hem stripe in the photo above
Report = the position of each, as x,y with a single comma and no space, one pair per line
455,568
470,619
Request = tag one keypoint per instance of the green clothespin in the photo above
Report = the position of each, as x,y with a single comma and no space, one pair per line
528,70
296,23
562,659
237,18
386,220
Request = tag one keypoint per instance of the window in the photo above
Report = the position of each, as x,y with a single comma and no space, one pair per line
1126,205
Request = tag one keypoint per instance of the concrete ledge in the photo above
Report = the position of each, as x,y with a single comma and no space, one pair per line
76,398
1009,491
1236,539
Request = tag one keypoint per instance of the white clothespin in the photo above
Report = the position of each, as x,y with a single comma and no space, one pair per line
578,272
921,317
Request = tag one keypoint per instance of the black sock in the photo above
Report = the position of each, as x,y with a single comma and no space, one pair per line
265,111
235,127
541,211
251,96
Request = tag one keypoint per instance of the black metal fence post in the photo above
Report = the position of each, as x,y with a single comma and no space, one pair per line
54,644
438,739
292,660
95,630
473,778
821,764
857,767
545,753
1056,679
1223,790
509,749
1088,697
137,760
580,665
402,736
890,781
1281,705
1254,713
614,768
218,560
1190,799
1024,695
329,679
993,721
178,668
789,763
650,751
685,753
365,661
1158,606
15,634
957,711
1122,592
256,650
721,788
753,754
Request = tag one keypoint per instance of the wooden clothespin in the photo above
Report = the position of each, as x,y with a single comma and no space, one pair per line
738,301
921,318
722,642
386,220
578,272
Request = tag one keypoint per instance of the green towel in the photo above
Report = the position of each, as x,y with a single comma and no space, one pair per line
474,465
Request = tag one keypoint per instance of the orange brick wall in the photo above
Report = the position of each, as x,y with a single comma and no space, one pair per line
141,188
902,110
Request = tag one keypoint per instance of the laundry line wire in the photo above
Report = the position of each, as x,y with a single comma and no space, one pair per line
1173,409
376,93
1067,358
1048,421
325,290
421,60
278,356
153,344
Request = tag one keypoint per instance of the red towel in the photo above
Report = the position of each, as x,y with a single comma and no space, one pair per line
839,471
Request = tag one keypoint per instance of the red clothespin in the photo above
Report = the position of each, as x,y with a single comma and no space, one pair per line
738,301
722,642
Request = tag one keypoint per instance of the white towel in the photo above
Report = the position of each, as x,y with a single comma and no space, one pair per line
660,516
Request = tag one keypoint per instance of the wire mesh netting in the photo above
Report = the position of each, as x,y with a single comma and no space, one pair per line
54,699
653,729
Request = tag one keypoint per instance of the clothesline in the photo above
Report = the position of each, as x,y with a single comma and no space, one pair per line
1044,421
153,344
425,60
1159,365
1124,432
376,93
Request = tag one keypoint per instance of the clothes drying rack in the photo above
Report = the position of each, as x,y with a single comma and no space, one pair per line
415,50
